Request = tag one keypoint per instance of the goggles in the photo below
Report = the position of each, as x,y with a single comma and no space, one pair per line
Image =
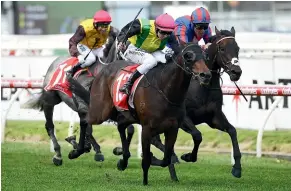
165,32
102,25
201,26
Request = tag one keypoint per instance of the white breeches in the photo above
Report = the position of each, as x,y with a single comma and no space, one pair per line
84,50
146,60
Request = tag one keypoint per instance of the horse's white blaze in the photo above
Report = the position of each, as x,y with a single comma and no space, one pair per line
235,61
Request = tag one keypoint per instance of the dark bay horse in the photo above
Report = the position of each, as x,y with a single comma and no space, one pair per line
204,103
159,102
48,99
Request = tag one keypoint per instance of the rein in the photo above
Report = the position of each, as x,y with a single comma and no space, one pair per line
185,69
225,64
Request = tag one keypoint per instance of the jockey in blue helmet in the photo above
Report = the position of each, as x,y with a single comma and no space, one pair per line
195,27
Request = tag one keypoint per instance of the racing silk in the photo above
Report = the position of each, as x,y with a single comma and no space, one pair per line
184,30
147,38
93,35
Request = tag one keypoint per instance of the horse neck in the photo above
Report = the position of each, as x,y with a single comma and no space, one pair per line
112,52
176,84
96,67
215,70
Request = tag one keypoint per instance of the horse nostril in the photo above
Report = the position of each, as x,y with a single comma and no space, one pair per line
233,72
202,75
208,75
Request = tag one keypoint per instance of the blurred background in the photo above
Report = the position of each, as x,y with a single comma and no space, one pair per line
49,17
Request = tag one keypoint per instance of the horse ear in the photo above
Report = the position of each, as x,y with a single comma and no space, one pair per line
217,31
232,31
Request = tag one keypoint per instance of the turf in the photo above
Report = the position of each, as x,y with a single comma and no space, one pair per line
27,166
273,141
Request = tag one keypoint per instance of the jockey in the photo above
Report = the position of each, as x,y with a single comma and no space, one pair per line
194,28
147,40
91,34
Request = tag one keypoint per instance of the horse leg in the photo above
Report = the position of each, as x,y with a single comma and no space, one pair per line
156,141
220,122
190,128
170,139
122,163
99,157
49,125
146,150
130,132
81,146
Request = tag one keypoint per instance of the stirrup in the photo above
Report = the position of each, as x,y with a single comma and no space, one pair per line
125,89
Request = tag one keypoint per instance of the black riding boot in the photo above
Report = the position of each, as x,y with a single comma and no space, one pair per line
74,69
128,85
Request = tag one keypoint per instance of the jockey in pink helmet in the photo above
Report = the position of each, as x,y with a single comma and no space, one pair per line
85,39
147,40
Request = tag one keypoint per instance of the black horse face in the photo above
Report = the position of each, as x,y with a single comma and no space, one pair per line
227,55
195,62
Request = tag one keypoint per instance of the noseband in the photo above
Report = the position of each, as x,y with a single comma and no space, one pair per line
227,64
184,67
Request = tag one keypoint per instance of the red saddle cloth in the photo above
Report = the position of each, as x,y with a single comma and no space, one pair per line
59,79
119,98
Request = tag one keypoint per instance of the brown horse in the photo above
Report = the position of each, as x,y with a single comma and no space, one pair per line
158,102
204,104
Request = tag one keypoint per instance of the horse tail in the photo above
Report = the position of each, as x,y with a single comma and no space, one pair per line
34,103
79,90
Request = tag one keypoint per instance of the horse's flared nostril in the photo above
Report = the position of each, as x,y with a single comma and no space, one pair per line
202,75
207,75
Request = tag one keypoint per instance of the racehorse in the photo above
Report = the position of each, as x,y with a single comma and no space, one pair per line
204,103
206,106
158,101
49,98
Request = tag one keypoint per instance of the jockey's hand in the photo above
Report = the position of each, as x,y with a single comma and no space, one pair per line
168,56
121,46
81,59
204,47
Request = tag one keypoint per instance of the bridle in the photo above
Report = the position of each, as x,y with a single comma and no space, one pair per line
226,64
184,67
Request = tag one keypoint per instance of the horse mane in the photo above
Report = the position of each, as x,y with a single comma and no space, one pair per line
110,47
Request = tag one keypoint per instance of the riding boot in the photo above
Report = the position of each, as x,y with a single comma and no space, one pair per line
128,85
74,69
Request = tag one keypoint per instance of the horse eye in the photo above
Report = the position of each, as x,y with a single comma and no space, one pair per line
222,49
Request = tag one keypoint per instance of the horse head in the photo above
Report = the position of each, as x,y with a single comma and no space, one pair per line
192,61
224,52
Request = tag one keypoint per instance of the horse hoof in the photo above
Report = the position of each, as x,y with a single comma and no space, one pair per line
99,157
87,149
71,138
117,151
120,165
57,161
73,154
187,158
145,182
236,172
174,159
175,179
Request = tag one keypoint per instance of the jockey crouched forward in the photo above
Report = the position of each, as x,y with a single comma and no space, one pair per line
91,34
147,40
194,28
